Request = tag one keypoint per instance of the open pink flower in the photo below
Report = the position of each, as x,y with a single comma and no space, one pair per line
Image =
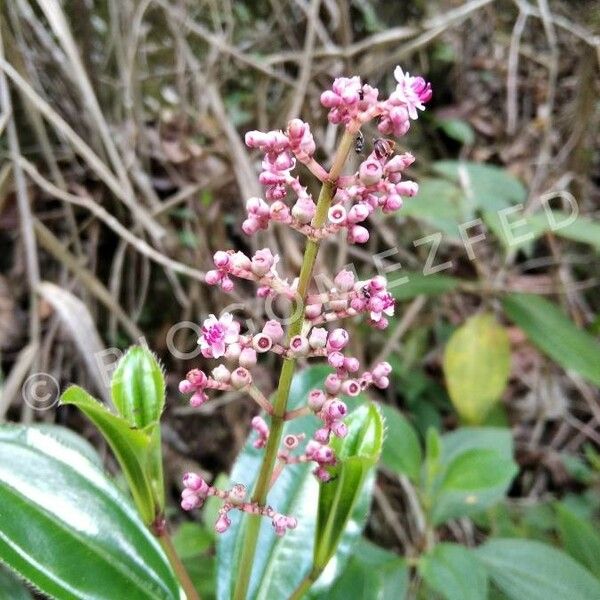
217,334
413,92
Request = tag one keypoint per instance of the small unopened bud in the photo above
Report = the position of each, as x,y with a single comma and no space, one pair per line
316,399
317,338
222,524
337,339
247,357
351,387
262,342
299,345
274,330
221,374
240,378
344,281
337,214
333,383
358,235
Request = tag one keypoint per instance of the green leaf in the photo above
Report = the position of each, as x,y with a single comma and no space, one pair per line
579,538
582,229
460,440
10,586
532,570
552,332
433,455
458,130
296,494
138,388
130,446
401,450
356,454
472,481
485,187
191,540
68,530
454,572
416,284
477,366
372,573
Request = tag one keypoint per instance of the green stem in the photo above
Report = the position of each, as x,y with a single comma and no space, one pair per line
287,371
182,575
305,584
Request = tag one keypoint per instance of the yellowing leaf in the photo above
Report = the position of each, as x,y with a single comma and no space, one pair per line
476,366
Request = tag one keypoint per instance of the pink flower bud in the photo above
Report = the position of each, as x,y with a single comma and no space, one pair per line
358,213
329,99
338,339
382,369
227,284
312,447
304,210
190,502
351,387
251,225
240,261
198,399
392,203
262,342
240,378
317,338
274,330
335,409
337,214
336,360
325,455
407,188
339,429
378,283
262,262
299,345
358,235
370,172
260,426
213,277
197,378
322,474
322,435
222,524
257,207
185,387
313,311
279,212
247,357
345,280
221,374
316,399
292,523
351,364
222,260
333,383
194,482
382,383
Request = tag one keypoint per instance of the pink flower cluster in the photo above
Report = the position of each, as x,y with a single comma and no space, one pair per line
352,103
379,183
196,491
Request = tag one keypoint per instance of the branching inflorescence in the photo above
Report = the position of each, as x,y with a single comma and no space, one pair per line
345,203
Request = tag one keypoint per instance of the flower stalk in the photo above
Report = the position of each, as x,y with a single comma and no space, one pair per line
287,370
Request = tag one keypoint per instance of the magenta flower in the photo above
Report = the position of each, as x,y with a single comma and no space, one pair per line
217,334
412,92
